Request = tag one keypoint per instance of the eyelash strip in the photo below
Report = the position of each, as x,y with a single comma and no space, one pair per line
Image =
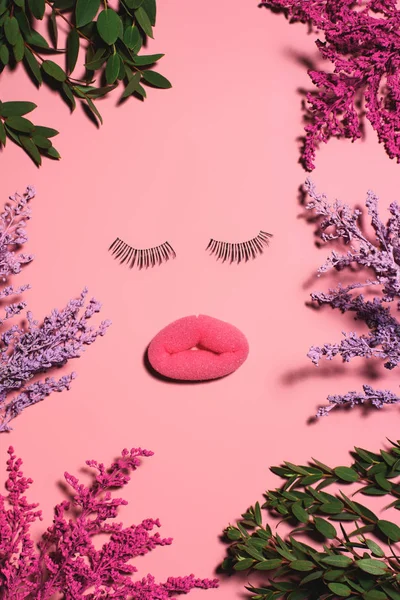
142,258
243,251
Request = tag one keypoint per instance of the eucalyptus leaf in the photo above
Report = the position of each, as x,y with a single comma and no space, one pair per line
144,21
33,66
72,49
11,30
109,25
16,109
390,530
372,566
156,79
37,8
340,589
112,68
85,11
3,136
54,70
20,124
31,149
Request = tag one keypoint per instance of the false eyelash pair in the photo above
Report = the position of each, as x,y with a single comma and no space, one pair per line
224,251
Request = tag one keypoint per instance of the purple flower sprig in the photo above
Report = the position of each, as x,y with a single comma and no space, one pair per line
27,351
68,560
381,257
361,39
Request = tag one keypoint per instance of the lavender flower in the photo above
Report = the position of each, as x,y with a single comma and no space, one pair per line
68,562
27,351
361,39
340,224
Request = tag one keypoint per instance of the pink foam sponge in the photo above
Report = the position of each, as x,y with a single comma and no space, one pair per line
198,349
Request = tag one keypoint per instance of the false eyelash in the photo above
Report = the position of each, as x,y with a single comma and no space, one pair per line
226,251
142,258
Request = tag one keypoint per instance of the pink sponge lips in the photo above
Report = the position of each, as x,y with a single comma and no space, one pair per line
197,349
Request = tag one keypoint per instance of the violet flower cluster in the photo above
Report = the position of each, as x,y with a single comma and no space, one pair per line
339,224
31,349
361,38
69,561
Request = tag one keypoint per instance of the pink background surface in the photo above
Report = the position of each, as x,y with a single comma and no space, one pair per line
216,156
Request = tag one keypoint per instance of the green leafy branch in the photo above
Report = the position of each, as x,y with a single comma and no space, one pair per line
349,562
111,41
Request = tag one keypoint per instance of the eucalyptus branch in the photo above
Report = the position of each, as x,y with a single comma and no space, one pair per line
111,41
349,562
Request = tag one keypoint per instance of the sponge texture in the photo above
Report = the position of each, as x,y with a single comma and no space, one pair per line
198,349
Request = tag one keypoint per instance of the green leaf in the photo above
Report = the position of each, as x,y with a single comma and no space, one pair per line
233,534
97,60
299,512
11,30
47,132
365,512
41,142
375,549
268,565
101,91
132,86
72,49
54,70
53,27
370,490
122,72
23,22
85,11
346,474
311,577
144,21
37,8
109,26
19,49
53,153
146,60
337,561
132,38
33,65
383,482
332,508
31,149
156,79
257,514
20,3
12,135
302,565
374,595
4,54
390,530
371,566
390,591
94,110
322,466
3,135
388,458
244,564
20,124
340,589
35,39
112,68
325,528
334,574
151,9
16,109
